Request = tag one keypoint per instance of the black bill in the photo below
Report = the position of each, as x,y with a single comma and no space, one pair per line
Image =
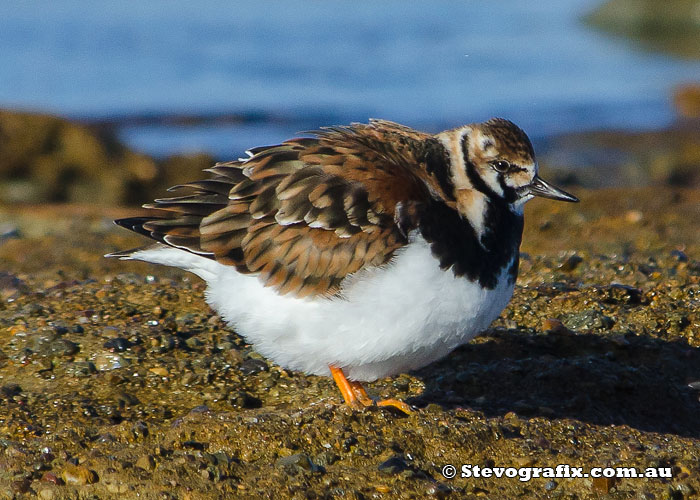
540,187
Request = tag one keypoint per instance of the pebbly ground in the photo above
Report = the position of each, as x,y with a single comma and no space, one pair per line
118,381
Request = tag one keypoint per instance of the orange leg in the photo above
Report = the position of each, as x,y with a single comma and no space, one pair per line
356,396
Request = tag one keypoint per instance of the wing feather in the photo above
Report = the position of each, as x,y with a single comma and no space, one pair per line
304,214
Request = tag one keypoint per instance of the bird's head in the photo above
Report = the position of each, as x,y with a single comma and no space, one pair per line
499,161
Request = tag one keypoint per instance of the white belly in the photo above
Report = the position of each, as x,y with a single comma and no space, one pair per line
389,320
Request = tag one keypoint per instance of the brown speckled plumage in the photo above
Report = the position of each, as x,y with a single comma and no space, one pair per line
305,214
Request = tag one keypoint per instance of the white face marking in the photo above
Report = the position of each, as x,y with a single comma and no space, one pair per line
451,141
476,141
471,204
521,178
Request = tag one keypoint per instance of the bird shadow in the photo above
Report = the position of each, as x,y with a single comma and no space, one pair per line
628,379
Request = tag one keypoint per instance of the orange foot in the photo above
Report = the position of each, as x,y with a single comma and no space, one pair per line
356,396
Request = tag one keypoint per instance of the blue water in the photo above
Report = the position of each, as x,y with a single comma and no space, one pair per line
432,65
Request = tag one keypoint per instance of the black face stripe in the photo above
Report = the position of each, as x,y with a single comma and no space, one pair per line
437,162
509,193
473,175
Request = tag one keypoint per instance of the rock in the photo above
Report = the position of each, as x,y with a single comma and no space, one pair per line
602,484
394,465
679,255
80,369
57,160
618,293
555,326
524,461
45,158
160,371
589,319
78,475
11,285
252,366
140,429
50,477
634,216
46,494
63,347
21,485
670,27
10,390
242,399
146,462
686,98
117,344
299,461
117,487
106,362
194,343
571,263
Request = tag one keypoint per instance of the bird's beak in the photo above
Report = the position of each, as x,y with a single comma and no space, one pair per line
540,187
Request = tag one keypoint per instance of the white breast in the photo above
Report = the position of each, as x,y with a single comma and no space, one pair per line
388,320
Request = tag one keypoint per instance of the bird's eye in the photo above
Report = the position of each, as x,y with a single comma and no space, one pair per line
500,165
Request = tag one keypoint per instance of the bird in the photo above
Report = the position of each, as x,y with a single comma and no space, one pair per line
358,251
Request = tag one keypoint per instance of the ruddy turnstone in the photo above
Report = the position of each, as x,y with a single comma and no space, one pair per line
364,251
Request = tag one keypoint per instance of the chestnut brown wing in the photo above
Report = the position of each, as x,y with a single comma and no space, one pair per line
304,214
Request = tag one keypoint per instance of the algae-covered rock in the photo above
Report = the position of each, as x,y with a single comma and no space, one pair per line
627,158
671,26
686,99
45,158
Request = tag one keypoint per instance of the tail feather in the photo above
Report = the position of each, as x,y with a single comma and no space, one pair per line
123,254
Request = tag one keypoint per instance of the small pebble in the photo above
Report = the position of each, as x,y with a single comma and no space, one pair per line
111,332
298,460
146,462
394,465
252,366
63,347
555,326
571,263
602,484
79,475
81,369
160,371
194,343
633,216
106,362
140,429
524,461
9,231
50,477
679,255
21,485
242,399
46,494
10,390
117,344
